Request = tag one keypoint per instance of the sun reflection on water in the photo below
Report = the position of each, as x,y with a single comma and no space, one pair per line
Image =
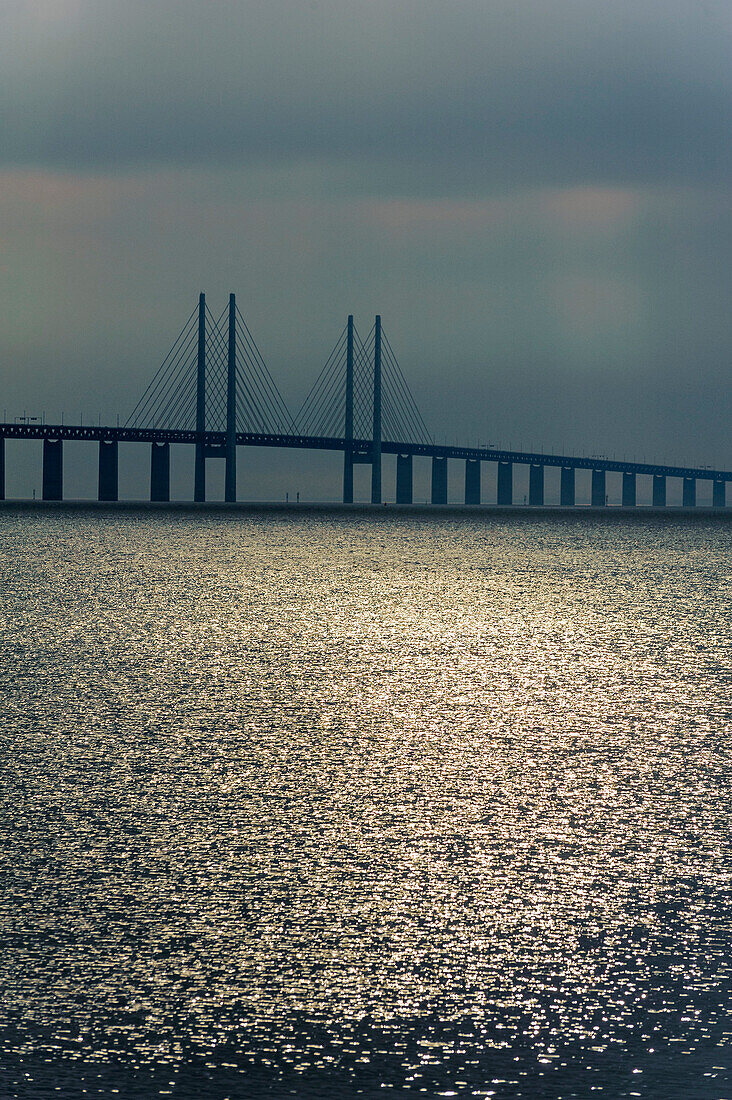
329,806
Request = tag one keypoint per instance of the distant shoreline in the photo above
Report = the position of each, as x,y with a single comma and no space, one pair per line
363,509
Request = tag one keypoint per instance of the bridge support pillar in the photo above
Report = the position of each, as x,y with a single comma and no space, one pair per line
629,490
598,489
199,482
659,490
53,469
404,479
348,476
504,490
160,472
536,485
472,481
2,467
439,480
566,489
689,492
719,494
108,488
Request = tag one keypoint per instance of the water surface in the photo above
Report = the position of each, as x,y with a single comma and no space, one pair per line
336,806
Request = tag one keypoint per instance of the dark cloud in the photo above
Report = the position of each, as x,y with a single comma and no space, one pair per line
421,95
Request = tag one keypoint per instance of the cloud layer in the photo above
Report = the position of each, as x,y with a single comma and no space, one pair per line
461,97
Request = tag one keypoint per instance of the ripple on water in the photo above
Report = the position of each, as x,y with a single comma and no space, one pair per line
331,807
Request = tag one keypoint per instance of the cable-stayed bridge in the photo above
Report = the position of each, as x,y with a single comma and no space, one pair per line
214,391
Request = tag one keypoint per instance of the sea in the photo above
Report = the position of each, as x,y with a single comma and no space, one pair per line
378,803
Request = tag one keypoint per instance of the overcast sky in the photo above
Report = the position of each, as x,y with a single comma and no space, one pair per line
534,195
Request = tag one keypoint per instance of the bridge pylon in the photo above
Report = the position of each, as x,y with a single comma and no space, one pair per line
199,477
348,425
376,421
362,398
215,384
230,475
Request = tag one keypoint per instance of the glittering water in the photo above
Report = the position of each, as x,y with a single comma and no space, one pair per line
326,806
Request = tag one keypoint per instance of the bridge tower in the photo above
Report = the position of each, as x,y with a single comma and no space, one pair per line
212,388
362,398
348,428
230,474
199,477
376,433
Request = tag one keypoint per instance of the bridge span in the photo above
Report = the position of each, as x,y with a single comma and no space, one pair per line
214,392
360,451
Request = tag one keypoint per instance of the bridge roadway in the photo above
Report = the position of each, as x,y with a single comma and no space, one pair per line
360,446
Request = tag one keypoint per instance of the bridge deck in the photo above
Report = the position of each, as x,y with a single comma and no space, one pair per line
363,446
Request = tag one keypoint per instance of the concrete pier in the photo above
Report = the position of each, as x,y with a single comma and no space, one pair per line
404,479
472,481
53,469
439,480
659,491
629,490
536,486
108,488
689,493
160,472
566,488
599,491
719,494
504,487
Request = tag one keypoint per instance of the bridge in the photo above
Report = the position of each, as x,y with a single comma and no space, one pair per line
215,392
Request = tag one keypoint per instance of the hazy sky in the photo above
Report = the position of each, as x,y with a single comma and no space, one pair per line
535,195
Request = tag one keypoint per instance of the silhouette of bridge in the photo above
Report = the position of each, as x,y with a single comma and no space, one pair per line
215,392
